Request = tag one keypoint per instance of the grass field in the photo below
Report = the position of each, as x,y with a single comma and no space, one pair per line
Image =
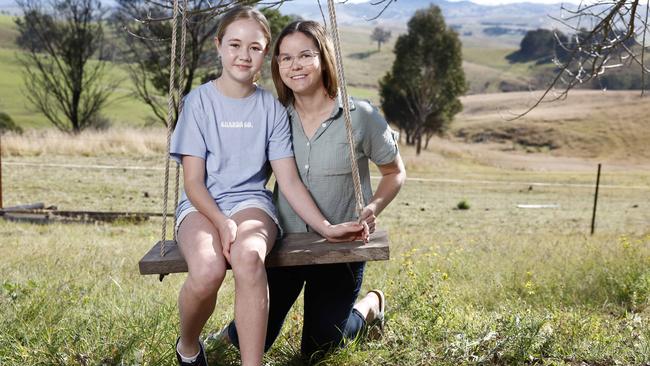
495,284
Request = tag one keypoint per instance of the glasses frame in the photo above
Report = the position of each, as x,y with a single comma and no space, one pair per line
292,58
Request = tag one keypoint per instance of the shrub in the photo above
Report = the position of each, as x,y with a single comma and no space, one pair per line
462,205
8,124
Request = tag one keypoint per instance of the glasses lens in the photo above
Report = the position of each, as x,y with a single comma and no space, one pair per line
284,61
306,59
303,59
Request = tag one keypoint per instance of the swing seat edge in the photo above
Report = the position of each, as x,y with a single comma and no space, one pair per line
293,250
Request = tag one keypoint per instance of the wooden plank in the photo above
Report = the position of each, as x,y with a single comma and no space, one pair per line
311,248
29,206
84,216
29,218
172,262
293,250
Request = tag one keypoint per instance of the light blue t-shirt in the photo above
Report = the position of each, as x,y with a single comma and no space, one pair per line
237,137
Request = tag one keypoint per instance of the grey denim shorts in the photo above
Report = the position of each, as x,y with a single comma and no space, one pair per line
267,207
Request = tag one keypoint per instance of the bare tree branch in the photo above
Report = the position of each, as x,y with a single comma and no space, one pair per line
610,43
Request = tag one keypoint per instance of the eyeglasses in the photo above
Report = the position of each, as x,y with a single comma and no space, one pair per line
304,59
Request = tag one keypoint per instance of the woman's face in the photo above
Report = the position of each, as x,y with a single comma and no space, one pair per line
242,50
299,64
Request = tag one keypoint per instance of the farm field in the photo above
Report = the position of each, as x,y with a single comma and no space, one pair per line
495,284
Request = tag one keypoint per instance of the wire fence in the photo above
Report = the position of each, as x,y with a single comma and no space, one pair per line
523,201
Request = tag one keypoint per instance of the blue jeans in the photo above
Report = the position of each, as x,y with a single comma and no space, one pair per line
330,293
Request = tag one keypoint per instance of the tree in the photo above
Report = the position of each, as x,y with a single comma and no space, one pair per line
380,35
541,45
420,93
62,78
145,28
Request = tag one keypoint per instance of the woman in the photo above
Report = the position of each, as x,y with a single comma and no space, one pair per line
304,75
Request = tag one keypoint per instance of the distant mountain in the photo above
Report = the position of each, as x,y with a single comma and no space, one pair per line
523,15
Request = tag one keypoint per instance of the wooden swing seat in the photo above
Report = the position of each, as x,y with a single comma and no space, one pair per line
293,250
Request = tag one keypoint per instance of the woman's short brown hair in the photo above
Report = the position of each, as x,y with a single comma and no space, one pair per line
318,34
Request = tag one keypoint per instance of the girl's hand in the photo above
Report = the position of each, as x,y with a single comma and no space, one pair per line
227,233
368,215
347,231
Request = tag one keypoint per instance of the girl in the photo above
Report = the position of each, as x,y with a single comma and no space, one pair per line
227,134
305,78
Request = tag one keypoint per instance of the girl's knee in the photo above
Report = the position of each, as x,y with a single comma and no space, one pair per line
206,281
247,262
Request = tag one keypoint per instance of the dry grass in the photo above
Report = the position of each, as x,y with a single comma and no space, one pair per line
118,142
592,124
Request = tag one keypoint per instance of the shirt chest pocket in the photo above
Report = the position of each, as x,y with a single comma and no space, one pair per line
334,159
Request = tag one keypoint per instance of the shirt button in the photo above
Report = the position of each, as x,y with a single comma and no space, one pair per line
308,144
306,166
324,125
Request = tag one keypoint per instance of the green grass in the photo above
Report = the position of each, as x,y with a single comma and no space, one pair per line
364,64
122,109
495,284
495,58
8,32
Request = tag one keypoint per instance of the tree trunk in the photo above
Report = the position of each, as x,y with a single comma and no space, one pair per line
378,46
418,147
428,138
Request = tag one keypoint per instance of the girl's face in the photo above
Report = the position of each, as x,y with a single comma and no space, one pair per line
242,50
299,64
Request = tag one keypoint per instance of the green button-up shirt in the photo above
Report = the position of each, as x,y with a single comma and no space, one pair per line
324,162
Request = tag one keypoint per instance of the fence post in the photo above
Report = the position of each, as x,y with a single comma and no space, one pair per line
593,215
1,206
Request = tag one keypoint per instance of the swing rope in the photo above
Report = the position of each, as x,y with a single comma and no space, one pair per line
334,29
179,96
175,93
170,116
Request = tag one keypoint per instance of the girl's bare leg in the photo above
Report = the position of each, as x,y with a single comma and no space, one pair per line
256,234
199,243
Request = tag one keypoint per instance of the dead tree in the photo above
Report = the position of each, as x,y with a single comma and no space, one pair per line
64,79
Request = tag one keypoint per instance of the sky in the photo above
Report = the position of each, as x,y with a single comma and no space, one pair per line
499,2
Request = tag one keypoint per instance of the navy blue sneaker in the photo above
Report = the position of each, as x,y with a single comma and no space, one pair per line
201,359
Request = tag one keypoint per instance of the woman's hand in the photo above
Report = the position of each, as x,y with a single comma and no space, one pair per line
368,215
227,233
347,231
